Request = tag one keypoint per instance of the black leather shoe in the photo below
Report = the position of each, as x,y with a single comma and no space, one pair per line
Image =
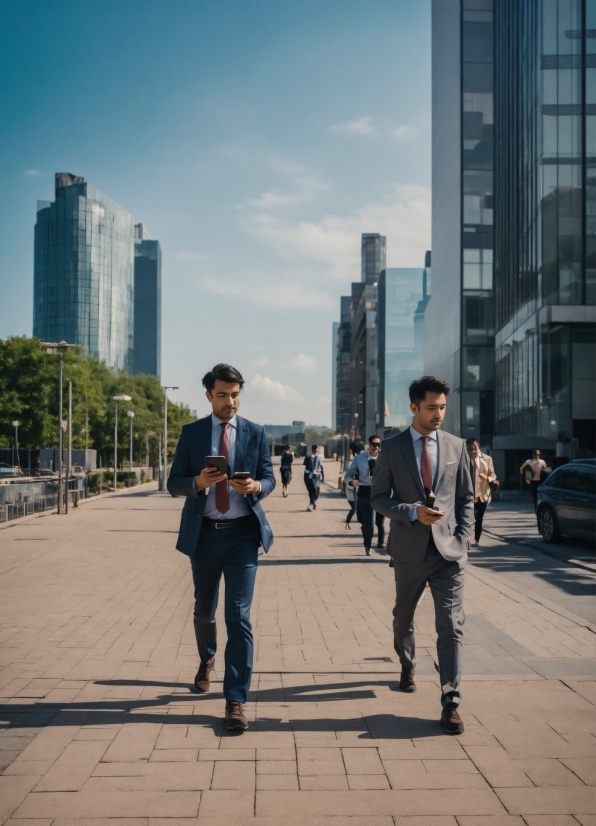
406,681
203,676
367,550
451,721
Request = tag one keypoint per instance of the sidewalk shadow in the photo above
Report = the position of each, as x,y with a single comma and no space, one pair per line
118,712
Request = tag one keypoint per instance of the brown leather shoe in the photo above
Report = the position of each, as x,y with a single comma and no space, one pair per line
406,681
235,719
203,677
451,721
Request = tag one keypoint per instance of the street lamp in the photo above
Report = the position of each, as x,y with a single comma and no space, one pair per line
15,424
165,433
58,348
131,415
120,398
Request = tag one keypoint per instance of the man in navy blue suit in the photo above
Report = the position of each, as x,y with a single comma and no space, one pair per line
221,529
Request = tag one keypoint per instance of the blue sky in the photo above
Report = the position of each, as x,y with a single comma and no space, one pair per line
256,139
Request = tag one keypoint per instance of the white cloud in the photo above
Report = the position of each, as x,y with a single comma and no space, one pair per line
362,126
323,400
334,240
406,132
303,364
257,288
274,391
33,173
185,255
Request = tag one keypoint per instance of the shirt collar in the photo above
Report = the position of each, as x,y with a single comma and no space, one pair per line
216,421
416,435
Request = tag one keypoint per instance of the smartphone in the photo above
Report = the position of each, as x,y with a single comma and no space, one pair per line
430,500
217,461
241,474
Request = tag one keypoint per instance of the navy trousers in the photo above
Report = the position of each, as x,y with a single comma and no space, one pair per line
233,552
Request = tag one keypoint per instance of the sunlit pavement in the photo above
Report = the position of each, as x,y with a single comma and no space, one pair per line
100,723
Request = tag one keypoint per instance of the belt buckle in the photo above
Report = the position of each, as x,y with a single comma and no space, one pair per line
220,526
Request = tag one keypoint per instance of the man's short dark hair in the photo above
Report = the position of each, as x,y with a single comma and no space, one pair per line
374,436
470,442
315,447
222,372
427,384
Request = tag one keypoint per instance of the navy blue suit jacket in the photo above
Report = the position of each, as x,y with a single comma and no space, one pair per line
252,455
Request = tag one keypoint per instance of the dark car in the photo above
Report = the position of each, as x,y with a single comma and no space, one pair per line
567,502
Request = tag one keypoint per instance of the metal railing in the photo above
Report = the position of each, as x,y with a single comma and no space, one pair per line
19,499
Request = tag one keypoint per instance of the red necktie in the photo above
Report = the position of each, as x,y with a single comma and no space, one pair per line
222,494
425,465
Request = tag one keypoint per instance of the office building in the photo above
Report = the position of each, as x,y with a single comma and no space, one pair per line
545,230
459,319
147,304
374,252
343,369
400,320
365,417
84,272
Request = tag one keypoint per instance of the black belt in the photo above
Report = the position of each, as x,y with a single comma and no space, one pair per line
363,490
222,524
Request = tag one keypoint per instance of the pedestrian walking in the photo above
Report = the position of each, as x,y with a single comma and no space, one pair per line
313,476
428,544
285,469
350,491
360,474
484,483
536,465
222,526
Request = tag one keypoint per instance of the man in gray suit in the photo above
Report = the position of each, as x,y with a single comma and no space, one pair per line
428,544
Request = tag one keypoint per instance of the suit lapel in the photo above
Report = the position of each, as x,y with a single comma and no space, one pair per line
442,449
241,442
204,439
407,449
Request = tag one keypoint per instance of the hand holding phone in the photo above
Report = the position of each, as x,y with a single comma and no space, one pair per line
214,472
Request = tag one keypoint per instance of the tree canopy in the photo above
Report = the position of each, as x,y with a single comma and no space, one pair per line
29,394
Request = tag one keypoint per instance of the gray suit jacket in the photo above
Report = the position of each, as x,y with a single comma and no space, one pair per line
397,486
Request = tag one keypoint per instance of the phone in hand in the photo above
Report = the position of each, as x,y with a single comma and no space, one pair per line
241,475
217,461
430,500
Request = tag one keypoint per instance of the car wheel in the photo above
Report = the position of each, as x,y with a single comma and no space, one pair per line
547,525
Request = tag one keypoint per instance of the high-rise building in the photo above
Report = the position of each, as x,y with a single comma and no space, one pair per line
400,319
545,230
373,257
147,304
84,272
334,340
459,340
343,369
365,417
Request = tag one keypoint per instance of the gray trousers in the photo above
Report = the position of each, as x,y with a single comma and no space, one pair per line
446,581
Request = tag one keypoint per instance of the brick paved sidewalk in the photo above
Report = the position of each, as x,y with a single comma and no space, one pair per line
99,724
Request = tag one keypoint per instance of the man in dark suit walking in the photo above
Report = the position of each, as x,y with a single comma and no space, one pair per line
221,529
428,544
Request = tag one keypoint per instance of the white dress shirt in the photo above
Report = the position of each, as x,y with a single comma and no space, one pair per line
433,449
238,504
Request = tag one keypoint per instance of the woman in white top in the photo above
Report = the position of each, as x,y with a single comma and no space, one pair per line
536,465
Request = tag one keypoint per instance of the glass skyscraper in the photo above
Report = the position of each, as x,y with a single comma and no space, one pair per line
84,272
147,304
401,356
343,372
459,340
545,229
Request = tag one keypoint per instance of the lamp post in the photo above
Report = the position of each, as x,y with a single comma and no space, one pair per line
120,398
131,415
165,433
15,444
58,348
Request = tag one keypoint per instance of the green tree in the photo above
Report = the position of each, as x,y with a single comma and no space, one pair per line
29,393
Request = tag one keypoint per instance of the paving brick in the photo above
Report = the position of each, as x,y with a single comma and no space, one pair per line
233,774
549,801
13,790
73,767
